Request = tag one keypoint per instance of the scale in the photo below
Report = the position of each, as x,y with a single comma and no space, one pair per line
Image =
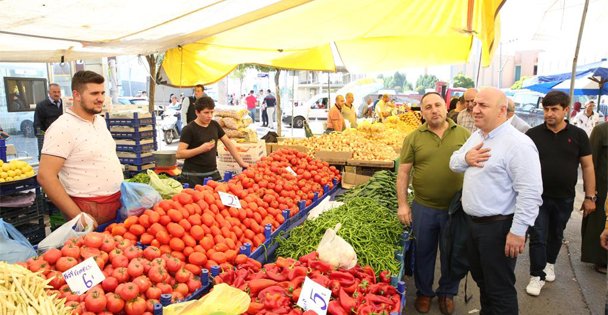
166,163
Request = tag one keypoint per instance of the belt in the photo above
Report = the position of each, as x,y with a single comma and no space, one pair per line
492,218
200,174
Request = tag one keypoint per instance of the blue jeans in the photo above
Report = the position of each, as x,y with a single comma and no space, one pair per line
178,124
548,232
252,114
427,225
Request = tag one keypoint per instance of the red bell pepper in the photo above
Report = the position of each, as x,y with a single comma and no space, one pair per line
306,259
285,262
309,312
335,308
320,266
271,289
351,289
295,283
274,273
334,286
321,279
397,302
255,308
296,272
345,278
370,272
378,299
295,295
347,302
385,276
258,285
365,309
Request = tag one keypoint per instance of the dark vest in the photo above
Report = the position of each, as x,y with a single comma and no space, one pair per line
191,114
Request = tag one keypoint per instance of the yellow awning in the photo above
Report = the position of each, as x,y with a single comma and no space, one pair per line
368,36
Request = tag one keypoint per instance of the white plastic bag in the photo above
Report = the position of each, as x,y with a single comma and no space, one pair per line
335,251
72,228
323,206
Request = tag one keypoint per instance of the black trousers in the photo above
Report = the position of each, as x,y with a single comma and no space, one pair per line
491,269
264,117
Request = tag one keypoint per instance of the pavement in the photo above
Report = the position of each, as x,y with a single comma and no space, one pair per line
578,288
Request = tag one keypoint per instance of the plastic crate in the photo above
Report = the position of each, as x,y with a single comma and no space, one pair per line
137,160
19,186
21,216
137,136
133,121
33,232
136,148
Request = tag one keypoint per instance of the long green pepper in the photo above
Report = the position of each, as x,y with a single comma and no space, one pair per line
372,229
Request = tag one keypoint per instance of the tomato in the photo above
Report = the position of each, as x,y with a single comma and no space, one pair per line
143,283
95,302
151,252
153,292
114,303
57,280
94,239
175,229
130,221
163,237
52,255
137,229
194,284
70,250
136,306
157,274
119,261
133,252
135,269
121,274
218,257
207,242
65,263
129,291
177,244
165,288
181,288
174,264
197,258
109,284
183,275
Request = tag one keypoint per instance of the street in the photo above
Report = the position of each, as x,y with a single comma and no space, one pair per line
578,288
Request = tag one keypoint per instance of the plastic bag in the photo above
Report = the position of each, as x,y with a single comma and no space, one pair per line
78,226
136,198
324,206
166,187
335,251
14,247
222,300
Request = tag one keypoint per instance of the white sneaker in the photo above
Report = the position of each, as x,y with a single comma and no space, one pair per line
535,286
549,272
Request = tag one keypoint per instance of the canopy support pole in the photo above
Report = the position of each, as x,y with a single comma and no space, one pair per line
575,59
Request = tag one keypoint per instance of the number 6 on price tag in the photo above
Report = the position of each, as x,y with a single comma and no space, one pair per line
314,297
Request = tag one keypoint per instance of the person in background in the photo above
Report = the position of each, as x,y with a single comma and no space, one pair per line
48,110
3,134
79,169
384,108
270,101
587,119
501,194
174,105
367,110
517,122
188,114
452,113
465,117
263,112
427,150
335,120
348,110
575,109
594,222
251,102
198,145
561,148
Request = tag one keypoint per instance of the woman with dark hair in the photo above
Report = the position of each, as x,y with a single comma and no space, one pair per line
456,105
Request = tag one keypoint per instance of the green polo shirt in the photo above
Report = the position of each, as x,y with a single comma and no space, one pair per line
434,183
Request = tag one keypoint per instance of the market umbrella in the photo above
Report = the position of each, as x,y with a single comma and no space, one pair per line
592,85
368,36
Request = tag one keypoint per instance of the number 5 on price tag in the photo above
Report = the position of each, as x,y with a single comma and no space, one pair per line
230,200
314,297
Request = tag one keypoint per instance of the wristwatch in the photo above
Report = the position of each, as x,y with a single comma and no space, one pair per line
592,198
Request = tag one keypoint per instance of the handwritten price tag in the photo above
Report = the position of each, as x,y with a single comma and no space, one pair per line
83,276
230,200
291,171
314,297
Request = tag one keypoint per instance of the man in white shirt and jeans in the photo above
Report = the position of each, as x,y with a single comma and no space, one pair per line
587,119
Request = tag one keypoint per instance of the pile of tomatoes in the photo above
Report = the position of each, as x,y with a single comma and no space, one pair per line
135,278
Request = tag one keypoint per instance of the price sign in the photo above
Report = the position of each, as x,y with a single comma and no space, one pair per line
83,276
314,297
291,171
230,200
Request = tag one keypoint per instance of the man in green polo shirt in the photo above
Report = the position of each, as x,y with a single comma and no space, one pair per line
427,150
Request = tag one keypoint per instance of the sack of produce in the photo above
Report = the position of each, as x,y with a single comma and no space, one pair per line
78,226
14,247
222,300
166,187
136,197
230,123
335,251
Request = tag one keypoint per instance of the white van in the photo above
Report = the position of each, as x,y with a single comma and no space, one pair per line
317,107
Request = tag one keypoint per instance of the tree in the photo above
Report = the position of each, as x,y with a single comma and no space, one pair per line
460,80
154,61
239,73
425,81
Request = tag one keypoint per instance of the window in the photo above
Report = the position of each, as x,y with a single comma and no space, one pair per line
535,69
517,73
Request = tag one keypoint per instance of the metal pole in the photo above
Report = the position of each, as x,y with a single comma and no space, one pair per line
293,97
500,65
578,46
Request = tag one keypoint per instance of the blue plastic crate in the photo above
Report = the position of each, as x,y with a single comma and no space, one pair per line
137,160
137,136
134,121
18,186
137,148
